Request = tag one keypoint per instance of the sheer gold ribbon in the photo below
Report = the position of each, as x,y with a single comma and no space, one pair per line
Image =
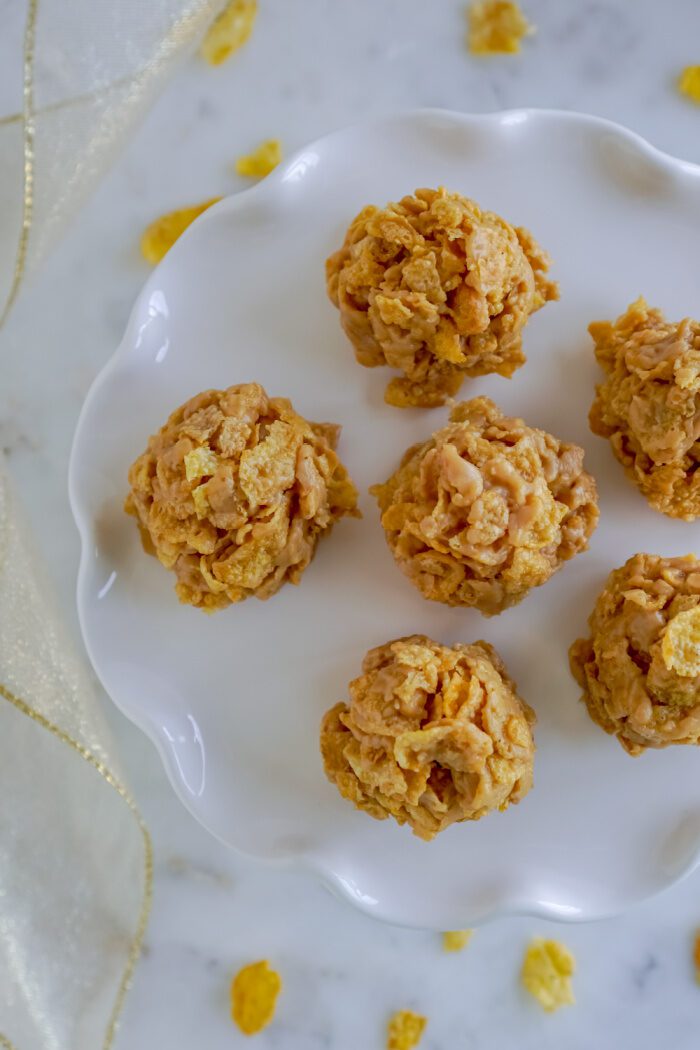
74,119
59,827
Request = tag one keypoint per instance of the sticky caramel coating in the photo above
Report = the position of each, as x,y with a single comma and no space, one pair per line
234,492
486,509
432,735
439,289
640,667
649,404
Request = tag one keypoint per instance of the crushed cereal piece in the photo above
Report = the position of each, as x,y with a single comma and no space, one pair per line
640,667
229,31
439,289
689,83
496,27
680,646
234,492
431,736
455,940
546,974
486,509
648,405
261,161
160,236
405,1030
696,956
254,992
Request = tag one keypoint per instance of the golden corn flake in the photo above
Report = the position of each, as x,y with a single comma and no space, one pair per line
696,956
229,31
496,27
260,162
160,236
680,646
200,463
455,940
689,83
254,992
546,974
405,1030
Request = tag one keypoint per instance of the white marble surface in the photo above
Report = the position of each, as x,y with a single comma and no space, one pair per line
311,67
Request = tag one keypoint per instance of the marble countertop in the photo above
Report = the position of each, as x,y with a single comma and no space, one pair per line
310,68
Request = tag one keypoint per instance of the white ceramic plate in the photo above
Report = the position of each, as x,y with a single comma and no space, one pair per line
233,701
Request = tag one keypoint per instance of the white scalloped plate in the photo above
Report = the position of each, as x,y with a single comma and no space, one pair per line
233,701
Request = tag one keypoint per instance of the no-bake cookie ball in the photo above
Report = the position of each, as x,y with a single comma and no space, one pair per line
486,508
640,667
649,404
439,289
234,492
432,735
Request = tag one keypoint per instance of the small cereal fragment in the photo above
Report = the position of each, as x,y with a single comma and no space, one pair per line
496,27
455,940
160,236
546,974
689,83
254,992
405,1030
696,956
680,646
229,31
261,161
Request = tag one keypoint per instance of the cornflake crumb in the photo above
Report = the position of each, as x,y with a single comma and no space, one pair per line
229,31
696,956
546,974
496,27
405,1030
455,940
262,161
689,83
160,236
254,992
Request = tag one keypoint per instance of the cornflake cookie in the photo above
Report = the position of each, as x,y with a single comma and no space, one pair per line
158,238
486,508
432,735
405,1030
254,992
547,970
649,404
496,27
234,492
438,289
640,667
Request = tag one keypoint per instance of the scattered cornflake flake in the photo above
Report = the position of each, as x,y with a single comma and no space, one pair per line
546,974
496,27
254,992
455,940
696,956
261,161
689,83
160,236
229,31
405,1030
680,645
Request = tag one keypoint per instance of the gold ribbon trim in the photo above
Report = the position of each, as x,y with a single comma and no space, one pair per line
137,940
28,170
